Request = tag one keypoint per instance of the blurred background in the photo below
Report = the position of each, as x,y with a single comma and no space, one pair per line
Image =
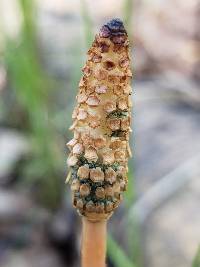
43,46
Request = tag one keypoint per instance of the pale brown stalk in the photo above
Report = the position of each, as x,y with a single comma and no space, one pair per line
93,243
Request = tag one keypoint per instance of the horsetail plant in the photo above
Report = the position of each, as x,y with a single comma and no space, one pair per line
99,150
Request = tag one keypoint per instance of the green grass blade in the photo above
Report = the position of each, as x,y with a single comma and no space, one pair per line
32,89
128,15
130,193
196,261
87,24
117,254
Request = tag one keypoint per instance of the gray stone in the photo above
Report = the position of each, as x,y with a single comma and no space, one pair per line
13,146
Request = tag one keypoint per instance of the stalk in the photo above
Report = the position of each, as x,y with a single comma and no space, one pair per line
93,243
100,147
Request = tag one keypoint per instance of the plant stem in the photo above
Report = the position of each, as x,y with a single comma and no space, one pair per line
94,243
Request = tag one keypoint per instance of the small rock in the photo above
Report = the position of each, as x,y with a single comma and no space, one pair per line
13,146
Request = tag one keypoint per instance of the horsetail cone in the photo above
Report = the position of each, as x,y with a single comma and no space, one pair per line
101,125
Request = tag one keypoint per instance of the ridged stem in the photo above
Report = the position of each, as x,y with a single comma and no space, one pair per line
94,243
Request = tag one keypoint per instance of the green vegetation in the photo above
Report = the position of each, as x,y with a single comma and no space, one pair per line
31,88
87,24
196,262
117,254
128,16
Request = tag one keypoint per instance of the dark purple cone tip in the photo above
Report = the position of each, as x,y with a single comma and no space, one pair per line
115,27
